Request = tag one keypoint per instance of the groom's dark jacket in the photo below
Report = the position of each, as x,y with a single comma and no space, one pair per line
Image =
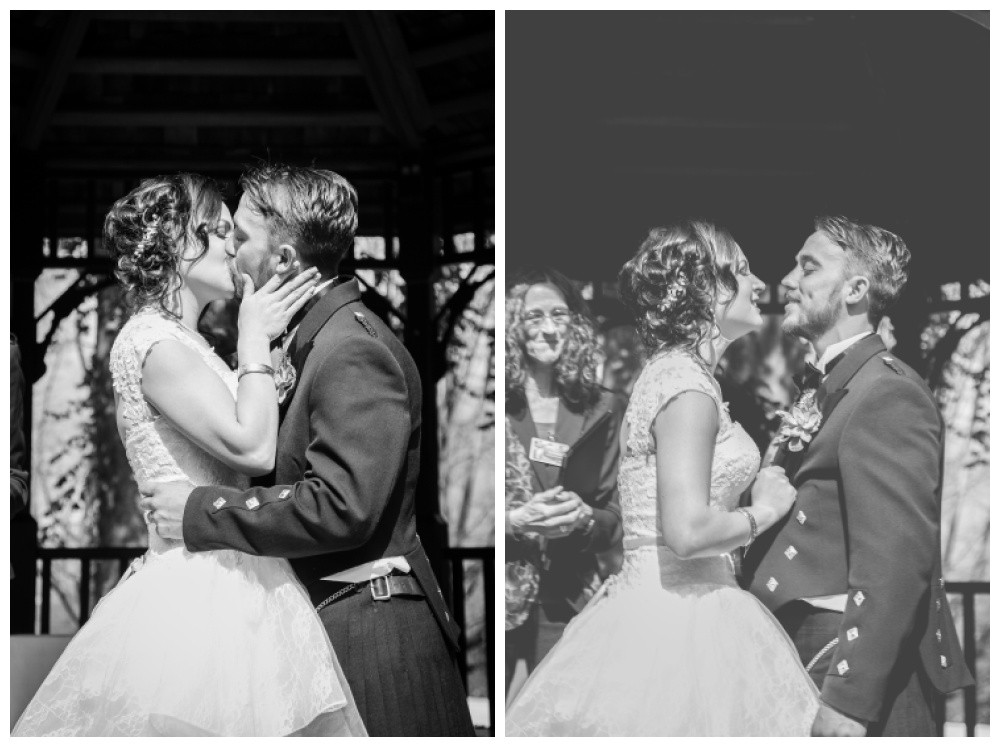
347,460
867,522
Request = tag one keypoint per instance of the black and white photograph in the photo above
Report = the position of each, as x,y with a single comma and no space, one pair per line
746,373
252,379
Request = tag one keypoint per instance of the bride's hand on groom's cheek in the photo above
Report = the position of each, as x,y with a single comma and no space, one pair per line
162,505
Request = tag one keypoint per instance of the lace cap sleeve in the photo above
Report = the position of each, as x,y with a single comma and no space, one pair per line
129,353
660,383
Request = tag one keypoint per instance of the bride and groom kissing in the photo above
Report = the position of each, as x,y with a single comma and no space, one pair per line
302,604
844,628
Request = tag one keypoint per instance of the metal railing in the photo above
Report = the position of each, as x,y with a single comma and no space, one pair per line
486,557
457,558
968,591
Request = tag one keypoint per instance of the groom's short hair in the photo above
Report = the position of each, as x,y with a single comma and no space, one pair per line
878,254
315,210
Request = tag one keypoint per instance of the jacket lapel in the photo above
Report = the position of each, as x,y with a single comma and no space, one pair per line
830,392
344,292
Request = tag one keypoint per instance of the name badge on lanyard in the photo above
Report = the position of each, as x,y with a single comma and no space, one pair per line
548,452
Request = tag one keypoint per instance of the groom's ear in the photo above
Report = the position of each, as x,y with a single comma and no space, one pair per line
856,289
287,260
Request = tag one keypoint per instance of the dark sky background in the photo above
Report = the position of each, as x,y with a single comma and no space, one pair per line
617,122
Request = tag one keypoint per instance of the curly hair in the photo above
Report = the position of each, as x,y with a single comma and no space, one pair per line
879,255
147,230
673,283
315,209
576,370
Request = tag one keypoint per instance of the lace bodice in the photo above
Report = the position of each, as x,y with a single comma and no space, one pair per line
156,451
734,464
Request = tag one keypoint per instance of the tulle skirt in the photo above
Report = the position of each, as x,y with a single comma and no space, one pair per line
215,643
697,660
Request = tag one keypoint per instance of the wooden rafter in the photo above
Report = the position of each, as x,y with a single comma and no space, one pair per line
238,67
208,118
454,50
391,74
53,78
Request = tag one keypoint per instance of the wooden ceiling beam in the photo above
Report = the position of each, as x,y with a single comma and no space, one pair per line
22,58
391,74
204,118
247,67
53,78
477,102
454,50
220,16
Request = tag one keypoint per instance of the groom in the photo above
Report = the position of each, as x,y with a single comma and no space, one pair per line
346,469
853,572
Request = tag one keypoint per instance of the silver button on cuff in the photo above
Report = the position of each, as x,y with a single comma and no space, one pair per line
219,502
252,503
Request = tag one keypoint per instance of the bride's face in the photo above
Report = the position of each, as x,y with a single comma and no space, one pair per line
207,271
739,314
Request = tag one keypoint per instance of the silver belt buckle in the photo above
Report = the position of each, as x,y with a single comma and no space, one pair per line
380,591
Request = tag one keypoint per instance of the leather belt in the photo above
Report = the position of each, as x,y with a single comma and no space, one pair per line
383,588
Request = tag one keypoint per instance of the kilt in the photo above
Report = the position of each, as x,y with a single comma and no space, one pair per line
404,678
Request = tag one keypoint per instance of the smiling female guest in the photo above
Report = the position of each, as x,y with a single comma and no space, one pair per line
568,427
209,644
671,645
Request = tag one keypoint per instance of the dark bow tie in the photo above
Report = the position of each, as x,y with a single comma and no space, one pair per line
812,377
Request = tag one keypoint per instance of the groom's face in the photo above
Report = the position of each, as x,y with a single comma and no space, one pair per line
252,248
815,288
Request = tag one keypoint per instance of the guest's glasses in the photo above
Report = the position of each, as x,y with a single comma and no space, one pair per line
535,318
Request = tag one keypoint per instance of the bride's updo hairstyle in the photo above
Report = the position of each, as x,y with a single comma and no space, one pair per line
672,284
147,230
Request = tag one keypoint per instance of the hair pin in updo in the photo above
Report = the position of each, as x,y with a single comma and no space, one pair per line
148,235
674,293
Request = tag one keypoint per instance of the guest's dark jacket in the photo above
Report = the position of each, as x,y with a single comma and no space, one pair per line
867,522
590,469
347,460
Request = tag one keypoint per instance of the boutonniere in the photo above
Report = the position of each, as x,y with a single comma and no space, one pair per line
284,377
799,425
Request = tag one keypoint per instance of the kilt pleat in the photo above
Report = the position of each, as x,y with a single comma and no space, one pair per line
404,677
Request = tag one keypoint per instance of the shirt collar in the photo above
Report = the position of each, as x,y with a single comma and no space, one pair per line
836,349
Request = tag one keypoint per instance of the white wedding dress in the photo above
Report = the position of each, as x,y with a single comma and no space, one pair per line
209,643
670,647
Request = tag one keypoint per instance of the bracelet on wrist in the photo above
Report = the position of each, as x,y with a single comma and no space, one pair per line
254,368
753,525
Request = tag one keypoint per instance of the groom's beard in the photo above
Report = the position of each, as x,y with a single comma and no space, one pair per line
815,323
260,275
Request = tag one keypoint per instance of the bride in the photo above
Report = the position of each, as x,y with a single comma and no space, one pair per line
671,645
215,643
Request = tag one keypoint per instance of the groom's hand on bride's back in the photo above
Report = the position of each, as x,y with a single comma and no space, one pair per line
162,505
833,723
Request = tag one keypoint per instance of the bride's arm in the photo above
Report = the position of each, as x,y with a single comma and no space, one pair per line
180,385
685,431
191,396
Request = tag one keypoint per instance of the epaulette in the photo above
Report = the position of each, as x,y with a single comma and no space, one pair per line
363,321
891,363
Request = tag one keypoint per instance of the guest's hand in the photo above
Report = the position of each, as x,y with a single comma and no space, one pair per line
162,505
833,723
547,514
